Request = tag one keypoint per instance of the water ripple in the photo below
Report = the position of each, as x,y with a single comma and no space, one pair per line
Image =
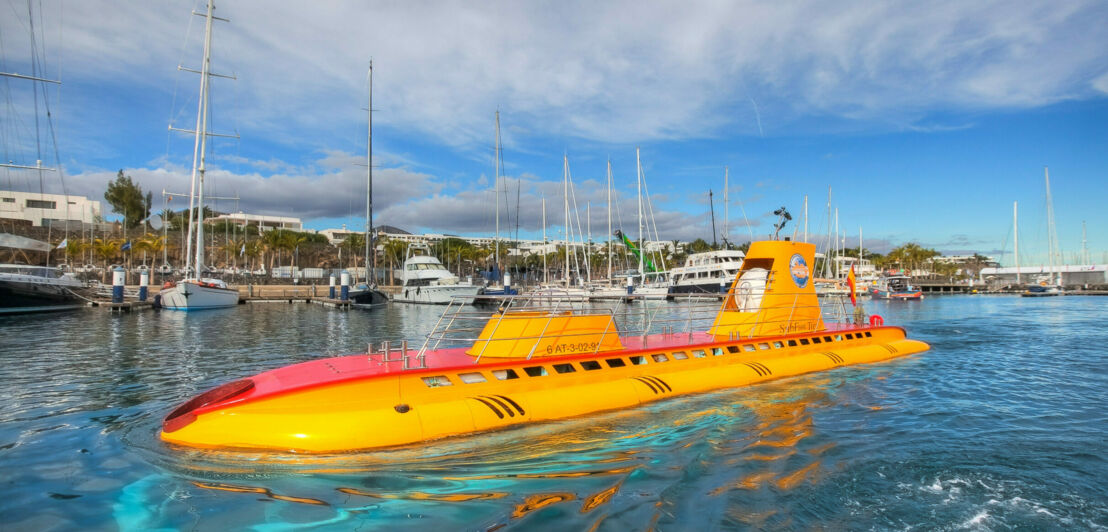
1001,425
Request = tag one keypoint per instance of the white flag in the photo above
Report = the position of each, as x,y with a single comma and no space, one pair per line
243,250
63,244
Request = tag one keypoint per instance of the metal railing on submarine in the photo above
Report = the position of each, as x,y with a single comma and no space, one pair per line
461,323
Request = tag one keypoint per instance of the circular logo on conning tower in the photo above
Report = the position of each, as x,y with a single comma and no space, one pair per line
799,270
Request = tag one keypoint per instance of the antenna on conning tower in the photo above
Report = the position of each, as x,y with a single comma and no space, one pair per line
783,218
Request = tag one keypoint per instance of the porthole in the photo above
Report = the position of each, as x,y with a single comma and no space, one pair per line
590,365
658,357
436,381
505,374
638,360
471,378
535,371
679,355
564,368
615,362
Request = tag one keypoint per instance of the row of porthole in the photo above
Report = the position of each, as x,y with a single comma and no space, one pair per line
476,377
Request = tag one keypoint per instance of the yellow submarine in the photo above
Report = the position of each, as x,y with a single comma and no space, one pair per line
529,365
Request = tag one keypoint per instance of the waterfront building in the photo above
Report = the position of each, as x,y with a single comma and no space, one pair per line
43,210
1080,275
264,222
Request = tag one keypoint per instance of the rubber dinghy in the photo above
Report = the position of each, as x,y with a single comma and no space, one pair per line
532,364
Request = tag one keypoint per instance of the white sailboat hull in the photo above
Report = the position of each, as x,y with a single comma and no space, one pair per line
437,294
189,295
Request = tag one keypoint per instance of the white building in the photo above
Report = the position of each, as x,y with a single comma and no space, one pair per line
1071,275
47,209
263,221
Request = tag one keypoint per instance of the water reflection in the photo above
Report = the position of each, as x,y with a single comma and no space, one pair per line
923,442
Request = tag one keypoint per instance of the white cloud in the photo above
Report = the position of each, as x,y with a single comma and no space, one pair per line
612,71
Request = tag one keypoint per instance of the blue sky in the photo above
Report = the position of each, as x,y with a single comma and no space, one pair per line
926,120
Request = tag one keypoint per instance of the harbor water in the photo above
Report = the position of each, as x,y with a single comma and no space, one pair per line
1002,424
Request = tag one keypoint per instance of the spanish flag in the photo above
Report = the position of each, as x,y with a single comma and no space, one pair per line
851,285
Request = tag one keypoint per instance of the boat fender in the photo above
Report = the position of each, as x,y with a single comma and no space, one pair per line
876,320
402,408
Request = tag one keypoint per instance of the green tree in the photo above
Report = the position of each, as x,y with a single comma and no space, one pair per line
126,198
698,246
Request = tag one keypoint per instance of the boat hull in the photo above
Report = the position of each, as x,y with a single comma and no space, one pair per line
436,295
369,296
29,294
702,288
356,402
188,295
911,295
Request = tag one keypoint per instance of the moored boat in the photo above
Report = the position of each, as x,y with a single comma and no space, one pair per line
534,364
896,287
26,288
426,280
706,272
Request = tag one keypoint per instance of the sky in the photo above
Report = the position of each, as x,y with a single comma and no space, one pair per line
926,121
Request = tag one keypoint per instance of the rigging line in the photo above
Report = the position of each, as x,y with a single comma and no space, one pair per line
650,209
745,219
176,87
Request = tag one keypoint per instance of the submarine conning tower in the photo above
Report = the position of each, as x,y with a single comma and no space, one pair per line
773,293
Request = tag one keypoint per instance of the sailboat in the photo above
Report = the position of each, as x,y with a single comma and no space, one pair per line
503,286
368,294
195,292
1052,284
25,288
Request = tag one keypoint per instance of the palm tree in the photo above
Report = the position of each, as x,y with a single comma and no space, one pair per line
394,251
271,241
106,248
75,248
151,243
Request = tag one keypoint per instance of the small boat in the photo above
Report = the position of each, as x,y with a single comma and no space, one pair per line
196,294
898,287
1042,290
533,364
705,273
426,280
38,289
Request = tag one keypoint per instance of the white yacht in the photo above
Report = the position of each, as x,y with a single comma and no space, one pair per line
704,273
426,280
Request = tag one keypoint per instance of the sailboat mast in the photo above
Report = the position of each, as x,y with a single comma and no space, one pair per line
805,218
638,167
726,212
496,192
544,279
1016,226
202,139
565,186
1052,238
609,219
838,243
712,208
1084,245
198,135
370,260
